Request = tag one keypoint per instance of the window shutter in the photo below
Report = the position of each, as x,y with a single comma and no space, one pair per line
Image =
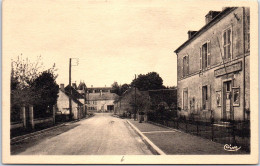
209,55
188,67
200,59
222,44
231,42
182,68
182,99
209,96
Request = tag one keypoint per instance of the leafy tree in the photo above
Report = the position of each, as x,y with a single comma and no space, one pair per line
149,81
26,78
141,102
46,92
118,89
115,88
124,88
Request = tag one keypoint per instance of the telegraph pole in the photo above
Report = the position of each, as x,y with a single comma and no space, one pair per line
70,91
135,98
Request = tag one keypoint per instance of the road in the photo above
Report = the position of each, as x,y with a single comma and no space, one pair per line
99,135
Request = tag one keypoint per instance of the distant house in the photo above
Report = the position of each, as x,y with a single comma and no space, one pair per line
100,99
77,102
125,103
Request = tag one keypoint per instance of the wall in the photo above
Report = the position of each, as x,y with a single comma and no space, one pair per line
63,105
196,79
104,103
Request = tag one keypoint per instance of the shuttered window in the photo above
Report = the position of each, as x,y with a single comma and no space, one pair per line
205,58
185,66
227,44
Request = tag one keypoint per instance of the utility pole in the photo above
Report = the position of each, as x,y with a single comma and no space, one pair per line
135,99
70,91
70,87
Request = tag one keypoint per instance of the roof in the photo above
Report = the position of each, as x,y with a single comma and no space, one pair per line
75,93
99,88
69,96
131,90
104,96
161,90
205,27
82,86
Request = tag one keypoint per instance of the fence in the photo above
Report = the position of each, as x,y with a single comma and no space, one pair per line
232,132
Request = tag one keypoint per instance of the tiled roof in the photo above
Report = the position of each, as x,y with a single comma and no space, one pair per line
75,93
73,98
205,27
104,96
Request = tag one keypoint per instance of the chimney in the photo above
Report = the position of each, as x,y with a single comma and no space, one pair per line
211,15
191,33
62,87
74,85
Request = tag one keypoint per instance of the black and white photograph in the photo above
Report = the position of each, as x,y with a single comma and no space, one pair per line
129,82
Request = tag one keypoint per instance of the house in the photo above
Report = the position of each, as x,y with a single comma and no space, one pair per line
77,102
100,99
213,67
125,103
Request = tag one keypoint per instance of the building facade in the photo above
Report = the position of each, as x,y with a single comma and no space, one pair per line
77,104
213,67
100,99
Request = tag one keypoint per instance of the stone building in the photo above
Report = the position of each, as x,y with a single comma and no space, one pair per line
77,103
125,103
213,67
100,99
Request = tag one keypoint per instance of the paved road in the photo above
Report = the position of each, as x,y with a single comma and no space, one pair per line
99,135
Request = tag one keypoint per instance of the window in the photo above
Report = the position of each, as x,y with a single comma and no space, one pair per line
227,45
185,99
185,67
205,56
206,97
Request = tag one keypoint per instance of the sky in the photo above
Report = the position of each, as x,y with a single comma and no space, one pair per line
113,40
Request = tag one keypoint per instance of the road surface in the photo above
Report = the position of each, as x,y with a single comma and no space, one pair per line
99,135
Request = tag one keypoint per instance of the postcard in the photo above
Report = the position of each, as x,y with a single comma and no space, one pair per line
130,82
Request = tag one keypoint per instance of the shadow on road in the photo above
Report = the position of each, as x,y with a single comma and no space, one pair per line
22,145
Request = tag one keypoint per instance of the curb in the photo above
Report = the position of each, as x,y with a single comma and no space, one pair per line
36,133
156,150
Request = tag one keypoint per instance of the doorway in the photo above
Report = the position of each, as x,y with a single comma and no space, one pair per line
227,101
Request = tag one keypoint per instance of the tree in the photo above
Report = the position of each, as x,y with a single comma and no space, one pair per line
141,103
149,81
46,90
124,88
24,75
115,88
118,89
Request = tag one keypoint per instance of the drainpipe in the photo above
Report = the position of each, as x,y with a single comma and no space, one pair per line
244,61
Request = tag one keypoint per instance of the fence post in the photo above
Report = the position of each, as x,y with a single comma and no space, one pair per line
233,133
24,117
31,116
54,113
212,129
186,125
177,124
197,127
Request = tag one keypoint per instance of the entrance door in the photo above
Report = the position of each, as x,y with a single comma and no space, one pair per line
110,108
227,98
